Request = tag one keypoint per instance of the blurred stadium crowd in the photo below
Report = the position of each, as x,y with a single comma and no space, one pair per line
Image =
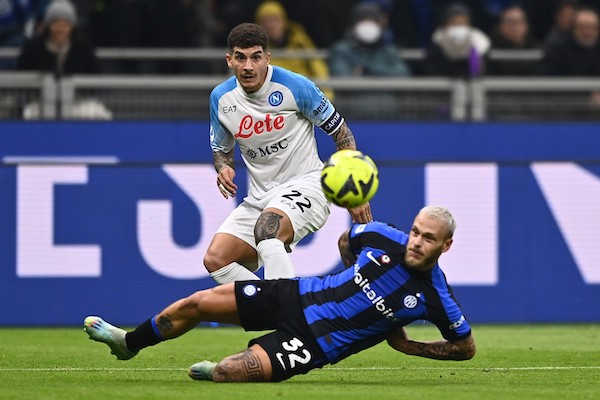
360,37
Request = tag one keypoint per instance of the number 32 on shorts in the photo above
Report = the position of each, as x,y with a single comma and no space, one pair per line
295,354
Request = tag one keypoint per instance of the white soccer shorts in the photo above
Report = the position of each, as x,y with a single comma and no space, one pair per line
302,200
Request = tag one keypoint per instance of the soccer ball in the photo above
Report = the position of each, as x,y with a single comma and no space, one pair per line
349,178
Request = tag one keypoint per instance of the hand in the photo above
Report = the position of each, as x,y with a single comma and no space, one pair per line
225,182
361,214
438,350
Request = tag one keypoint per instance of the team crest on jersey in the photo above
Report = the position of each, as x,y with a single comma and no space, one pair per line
250,290
276,98
410,301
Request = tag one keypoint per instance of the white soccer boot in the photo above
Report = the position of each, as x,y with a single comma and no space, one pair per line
101,331
202,371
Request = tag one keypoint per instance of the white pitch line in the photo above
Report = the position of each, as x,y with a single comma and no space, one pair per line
542,368
69,369
485,369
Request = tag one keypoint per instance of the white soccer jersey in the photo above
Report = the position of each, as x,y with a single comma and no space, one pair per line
273,127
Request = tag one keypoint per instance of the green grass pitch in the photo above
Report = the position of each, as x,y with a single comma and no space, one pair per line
512,362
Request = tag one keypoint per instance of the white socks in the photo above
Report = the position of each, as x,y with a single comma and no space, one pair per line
232,272
277,265
277,262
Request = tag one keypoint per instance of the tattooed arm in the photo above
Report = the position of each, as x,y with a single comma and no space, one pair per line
344,138
225,173
222,159
439,350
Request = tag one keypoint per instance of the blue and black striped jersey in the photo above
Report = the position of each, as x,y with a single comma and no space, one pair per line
358,307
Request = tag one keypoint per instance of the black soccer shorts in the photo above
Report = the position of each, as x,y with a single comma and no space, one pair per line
275,304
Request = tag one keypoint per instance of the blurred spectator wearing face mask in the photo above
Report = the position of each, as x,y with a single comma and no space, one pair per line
512,33
61,48
579,54
285,34
457,49
363,50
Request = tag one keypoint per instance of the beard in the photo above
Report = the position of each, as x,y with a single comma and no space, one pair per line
423,262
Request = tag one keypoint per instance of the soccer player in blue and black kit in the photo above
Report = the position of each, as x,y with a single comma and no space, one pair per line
392,279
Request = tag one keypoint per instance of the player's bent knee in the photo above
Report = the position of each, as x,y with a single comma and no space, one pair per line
212,262
192,303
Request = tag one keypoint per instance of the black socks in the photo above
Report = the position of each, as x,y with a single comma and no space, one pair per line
144,335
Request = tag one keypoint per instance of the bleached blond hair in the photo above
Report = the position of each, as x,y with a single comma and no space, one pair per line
442,214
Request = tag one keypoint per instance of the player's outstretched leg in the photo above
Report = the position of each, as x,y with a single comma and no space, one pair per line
202,371
101,331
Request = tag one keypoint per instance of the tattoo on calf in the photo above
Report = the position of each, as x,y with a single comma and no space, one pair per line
267,226
241,367
164,323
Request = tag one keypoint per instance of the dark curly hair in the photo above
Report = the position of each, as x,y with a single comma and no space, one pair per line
247,35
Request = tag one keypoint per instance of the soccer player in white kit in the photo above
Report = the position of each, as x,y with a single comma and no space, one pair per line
270,113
